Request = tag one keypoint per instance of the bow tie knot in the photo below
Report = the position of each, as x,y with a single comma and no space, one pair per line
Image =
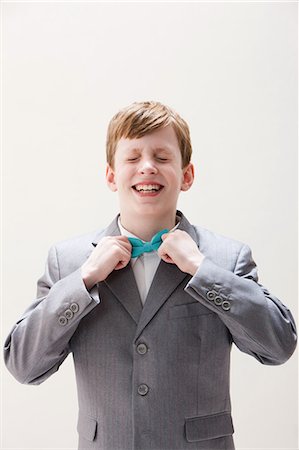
147,247
139,247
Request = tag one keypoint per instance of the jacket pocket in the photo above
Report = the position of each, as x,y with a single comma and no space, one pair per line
87,427
209,427
188,310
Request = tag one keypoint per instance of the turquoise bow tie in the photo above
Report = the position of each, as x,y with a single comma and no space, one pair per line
139,247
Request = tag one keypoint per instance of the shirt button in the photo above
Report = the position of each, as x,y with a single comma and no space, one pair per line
143,389
62,320
141,349
74,307
68,313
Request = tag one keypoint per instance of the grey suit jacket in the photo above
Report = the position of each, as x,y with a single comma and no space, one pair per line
157,377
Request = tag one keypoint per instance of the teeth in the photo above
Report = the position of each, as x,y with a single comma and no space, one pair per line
147,187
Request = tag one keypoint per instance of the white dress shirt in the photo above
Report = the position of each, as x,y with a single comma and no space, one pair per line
144,266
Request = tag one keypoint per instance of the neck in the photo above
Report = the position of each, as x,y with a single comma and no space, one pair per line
146,227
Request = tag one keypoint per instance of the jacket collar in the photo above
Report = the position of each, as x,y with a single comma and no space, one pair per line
113,228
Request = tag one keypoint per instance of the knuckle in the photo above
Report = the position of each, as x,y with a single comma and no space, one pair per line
115,248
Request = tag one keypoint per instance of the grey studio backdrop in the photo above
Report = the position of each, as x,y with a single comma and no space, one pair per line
230,69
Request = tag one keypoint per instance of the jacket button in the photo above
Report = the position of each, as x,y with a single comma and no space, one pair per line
226,305
143,389
141,349
68,313
211,295
74,307
218,300
62,320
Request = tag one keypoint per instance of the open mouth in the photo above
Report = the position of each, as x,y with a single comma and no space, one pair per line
148,188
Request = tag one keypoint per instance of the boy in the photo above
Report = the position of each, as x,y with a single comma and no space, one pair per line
150,324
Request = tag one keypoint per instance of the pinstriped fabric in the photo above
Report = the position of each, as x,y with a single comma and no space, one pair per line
157,377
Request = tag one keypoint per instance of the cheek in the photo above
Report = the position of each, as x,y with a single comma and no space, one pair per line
176,178
125,179
122,174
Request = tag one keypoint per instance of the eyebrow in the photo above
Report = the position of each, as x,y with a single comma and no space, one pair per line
156,149
163,149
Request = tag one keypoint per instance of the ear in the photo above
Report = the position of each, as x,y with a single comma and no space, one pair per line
110,178
188,177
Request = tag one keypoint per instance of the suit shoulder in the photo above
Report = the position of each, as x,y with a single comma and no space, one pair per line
209,238
72,252
76,242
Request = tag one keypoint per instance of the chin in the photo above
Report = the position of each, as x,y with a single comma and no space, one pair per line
152,210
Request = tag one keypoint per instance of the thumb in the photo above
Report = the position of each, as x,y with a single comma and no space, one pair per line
164,236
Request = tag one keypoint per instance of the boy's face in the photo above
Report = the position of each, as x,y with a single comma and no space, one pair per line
148,174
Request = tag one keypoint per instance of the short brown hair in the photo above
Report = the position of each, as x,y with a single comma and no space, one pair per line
140,118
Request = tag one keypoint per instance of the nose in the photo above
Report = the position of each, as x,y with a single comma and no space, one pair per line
147,167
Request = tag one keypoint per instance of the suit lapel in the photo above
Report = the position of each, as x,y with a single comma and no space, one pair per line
122,282
167,278
123,285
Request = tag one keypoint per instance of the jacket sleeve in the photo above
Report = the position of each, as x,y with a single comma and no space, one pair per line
259,323
39,341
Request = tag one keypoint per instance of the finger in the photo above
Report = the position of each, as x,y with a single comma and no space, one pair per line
121,265
127,249
162,250
125,252
123,262
121,243
167,259
124,241
122,238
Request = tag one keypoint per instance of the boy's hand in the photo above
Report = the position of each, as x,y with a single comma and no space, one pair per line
111,253
179,248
